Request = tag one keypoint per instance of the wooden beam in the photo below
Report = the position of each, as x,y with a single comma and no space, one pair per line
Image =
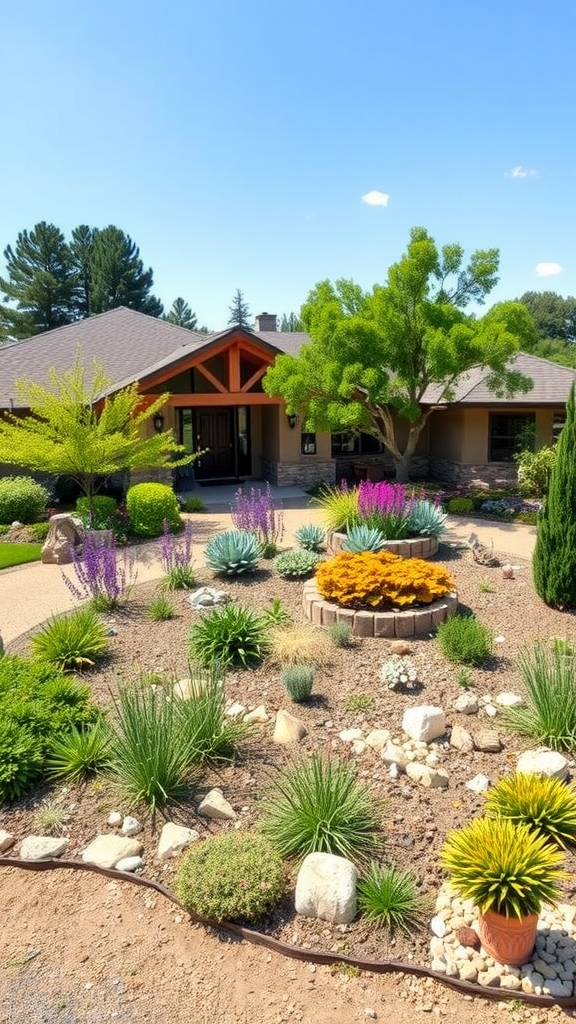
239,398
234,368
211,378
255,377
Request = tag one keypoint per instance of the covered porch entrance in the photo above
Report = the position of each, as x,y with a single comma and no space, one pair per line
223,434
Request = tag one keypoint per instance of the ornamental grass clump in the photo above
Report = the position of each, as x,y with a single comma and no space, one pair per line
381,580
103,575
232,876
297,643
549,713
546,805
340,507
319,806
79,753
298,681
503,866
71,642
388,898
176,558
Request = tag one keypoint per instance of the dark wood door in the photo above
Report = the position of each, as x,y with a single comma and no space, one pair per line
213,431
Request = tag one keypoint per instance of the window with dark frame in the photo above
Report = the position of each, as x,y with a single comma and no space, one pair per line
508,434
345,443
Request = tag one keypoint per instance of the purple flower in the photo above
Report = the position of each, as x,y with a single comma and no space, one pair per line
101,575
254,512
176,553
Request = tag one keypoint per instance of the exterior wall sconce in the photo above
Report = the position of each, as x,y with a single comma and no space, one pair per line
292,420
158,421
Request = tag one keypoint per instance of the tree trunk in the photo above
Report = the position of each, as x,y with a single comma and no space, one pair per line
401,468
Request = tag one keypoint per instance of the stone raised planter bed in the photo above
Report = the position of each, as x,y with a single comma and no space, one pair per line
412,547
387,625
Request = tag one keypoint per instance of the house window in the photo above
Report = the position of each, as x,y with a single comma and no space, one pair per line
509,433
355,444
308,444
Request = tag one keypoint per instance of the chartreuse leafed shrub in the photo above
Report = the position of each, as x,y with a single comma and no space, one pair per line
464,639
233,553
554,561
22,499
233,876
76,754
319,806
296,563
388,897
37,705
298,681
149,505
547,806
460,506
232,635
549,713
380,579
72,641
310,536
535,470
340,508
101,514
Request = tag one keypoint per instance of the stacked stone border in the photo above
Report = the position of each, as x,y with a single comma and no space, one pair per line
294,952
412,547
387,625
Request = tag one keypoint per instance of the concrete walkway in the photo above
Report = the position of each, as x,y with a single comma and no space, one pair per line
31,593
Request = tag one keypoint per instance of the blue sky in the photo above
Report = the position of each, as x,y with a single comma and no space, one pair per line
234,139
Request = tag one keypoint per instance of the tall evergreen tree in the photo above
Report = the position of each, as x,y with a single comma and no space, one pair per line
40,282
118,275
81,254
182,315
240,315
554,561
291,322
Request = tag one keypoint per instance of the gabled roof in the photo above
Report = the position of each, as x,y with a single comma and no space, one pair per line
130,345
552,383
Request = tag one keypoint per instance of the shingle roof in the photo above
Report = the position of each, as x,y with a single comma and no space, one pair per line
552,383
130,345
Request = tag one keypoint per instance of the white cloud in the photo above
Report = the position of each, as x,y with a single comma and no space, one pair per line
521,172
376,198
548,269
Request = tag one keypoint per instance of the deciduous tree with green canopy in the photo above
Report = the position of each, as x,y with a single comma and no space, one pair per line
80,427
373,355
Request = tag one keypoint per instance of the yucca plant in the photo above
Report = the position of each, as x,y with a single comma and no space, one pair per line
296,563
233,553
340,508
547,806
310,536
364,538
298,681
319,806
549,714
388,897
426,519
71,642
503,866
79,753
232,635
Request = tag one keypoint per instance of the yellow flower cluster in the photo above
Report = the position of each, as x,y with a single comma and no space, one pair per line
379,579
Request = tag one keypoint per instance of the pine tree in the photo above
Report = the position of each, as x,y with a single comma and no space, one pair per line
291,322
81,253
181,315
240,315
118,275
554,562
40,282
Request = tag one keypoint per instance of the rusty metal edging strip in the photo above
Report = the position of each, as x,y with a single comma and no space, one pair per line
283,949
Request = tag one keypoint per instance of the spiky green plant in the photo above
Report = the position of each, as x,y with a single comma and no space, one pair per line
232,635
298,681
233,553
296,563
339,507
388,897
319,806
503,866
276,614
75,755
549,713
49,819
426,519
212,736
547,806
72,641
310,536
160,609
364,538
554,561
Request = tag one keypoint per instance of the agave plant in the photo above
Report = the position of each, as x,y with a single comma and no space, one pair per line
426,519
233,552
310,536
547,806
363,538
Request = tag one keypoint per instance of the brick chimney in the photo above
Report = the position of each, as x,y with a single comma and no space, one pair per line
266,322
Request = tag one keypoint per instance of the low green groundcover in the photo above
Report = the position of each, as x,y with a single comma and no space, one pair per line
17,554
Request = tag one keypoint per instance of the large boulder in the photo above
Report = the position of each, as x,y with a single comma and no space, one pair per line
326,888
65,532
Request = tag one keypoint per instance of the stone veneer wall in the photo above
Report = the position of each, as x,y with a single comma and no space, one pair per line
151,475
494,474
345,465
299,474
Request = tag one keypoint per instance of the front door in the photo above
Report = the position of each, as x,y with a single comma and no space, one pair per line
213,430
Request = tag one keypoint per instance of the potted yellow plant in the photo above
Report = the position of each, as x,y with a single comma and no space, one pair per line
509,872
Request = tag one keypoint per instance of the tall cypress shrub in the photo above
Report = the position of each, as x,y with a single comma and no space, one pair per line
554,563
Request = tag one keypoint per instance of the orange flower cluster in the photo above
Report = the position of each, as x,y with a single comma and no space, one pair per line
379,579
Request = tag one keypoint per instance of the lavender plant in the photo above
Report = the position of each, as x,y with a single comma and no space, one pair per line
253,511
176,558
102,576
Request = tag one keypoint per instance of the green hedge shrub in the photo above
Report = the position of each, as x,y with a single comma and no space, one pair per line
103,511
22,499
149,505
460,506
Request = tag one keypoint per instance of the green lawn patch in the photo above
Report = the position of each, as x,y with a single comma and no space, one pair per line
18,554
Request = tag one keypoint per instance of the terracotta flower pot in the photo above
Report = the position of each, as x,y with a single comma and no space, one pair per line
510,940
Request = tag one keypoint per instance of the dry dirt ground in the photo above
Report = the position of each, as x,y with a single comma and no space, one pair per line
85,949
